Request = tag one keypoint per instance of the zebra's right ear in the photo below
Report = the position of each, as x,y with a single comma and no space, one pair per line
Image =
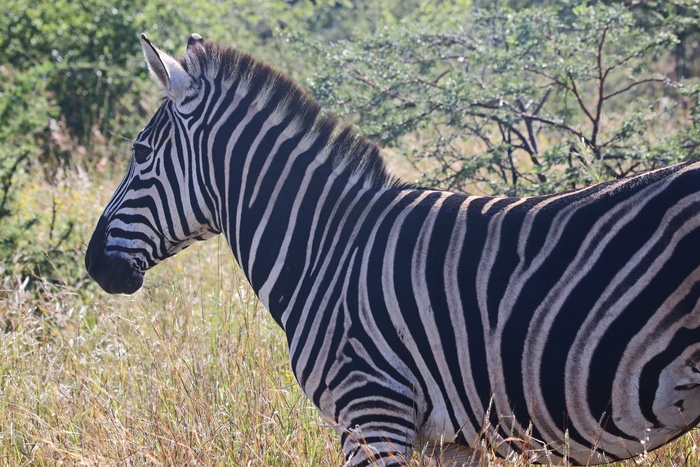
166,70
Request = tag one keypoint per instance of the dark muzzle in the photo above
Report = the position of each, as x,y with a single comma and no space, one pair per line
115,271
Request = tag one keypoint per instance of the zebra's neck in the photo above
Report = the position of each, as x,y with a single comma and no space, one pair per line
282,169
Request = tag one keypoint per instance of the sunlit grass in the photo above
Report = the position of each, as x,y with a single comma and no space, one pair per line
189,371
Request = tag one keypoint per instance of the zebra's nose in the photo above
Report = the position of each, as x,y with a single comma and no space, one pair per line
113,271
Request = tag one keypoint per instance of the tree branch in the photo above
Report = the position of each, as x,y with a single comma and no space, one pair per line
574,89
637,83
602,76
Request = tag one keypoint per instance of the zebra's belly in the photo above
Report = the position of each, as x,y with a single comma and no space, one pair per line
654,398
678,416
625,430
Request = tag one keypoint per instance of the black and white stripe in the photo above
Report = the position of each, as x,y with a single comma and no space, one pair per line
564,326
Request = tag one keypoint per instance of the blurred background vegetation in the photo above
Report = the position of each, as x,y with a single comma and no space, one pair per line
518,97
509,97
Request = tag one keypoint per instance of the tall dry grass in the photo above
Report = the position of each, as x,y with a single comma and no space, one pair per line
189,371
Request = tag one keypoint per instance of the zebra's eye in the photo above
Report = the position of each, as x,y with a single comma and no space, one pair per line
141,152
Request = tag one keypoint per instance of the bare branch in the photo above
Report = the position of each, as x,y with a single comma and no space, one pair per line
637,83
630,57
557,124
574,89
440,76
546,95
602,75
554,80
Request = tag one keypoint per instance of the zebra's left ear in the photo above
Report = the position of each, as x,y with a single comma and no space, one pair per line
167,72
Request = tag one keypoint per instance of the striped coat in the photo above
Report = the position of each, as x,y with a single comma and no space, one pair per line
564,326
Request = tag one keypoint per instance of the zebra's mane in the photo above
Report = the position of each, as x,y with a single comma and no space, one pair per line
347,150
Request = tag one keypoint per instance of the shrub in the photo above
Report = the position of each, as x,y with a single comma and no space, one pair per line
521,102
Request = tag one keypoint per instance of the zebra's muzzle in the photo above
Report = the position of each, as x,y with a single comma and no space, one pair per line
115,271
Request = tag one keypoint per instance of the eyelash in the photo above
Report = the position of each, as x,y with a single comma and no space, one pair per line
141,152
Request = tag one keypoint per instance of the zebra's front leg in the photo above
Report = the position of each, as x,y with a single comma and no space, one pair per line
377,444
379,424
376,403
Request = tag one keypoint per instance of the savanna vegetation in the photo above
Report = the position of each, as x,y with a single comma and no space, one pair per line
516,97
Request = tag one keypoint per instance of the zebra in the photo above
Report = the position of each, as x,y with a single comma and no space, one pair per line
563,327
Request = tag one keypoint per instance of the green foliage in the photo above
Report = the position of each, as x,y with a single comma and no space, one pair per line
65,82
23,113
43,232
517,102
83,57
72,81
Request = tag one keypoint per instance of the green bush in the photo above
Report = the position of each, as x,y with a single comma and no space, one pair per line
520,102
71,79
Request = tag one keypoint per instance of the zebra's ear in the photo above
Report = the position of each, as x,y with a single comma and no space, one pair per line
166,70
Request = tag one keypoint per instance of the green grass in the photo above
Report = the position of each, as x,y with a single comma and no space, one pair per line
189,371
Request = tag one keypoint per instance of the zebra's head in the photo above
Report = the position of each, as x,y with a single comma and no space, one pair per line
158,209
